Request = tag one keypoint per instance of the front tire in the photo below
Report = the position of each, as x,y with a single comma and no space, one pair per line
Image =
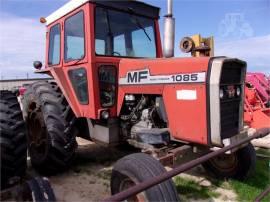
50,123
238,165
12,139
36,189
136,168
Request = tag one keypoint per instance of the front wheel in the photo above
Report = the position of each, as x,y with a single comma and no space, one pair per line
36,189
238,165
136,168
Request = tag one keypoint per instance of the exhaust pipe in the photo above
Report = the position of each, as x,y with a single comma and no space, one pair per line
169,31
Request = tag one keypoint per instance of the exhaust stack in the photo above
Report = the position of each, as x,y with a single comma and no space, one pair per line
169,31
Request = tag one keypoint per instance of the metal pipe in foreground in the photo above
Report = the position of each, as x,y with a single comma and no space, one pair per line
262,195
184,167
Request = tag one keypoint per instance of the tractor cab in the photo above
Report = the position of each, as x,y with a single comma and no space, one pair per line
86,41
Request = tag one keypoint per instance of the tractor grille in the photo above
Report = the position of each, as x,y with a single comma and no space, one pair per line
229,118
231,77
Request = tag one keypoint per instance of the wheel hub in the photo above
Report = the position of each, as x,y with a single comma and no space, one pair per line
225,162
127,183
38,138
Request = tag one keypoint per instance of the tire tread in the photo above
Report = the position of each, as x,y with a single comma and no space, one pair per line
143,167
13,138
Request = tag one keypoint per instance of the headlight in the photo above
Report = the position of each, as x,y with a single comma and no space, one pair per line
221,93
238,91
105,114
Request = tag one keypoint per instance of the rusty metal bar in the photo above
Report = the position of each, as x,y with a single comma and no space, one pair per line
262,195
181,168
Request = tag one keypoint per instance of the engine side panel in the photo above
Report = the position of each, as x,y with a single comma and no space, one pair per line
187,115
185,100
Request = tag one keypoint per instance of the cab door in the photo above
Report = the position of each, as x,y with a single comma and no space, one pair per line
77,63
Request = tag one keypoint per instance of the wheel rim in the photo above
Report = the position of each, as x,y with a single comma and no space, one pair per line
225,162
127,183
38,138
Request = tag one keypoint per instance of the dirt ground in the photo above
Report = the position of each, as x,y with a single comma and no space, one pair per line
89,177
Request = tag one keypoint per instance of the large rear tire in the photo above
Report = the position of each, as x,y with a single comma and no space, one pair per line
238,165
136,168
12,139
50,123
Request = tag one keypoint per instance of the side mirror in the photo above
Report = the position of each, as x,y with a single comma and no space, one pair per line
37,64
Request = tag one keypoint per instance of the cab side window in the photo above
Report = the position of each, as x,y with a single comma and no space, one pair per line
79,82
54,45
107,85
74,37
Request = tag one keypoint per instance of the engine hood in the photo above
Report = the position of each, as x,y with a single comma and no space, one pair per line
162,70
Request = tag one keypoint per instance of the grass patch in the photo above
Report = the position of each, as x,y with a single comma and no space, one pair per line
249,189
246,190
189,189
263,152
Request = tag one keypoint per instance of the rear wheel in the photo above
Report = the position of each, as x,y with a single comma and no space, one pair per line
238,165
12,139
136,168
50,123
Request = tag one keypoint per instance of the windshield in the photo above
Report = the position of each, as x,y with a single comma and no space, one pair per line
123,34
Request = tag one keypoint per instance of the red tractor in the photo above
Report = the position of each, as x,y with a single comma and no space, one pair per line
114,84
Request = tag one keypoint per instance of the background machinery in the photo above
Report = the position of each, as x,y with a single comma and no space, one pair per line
198,46
262,84
257,100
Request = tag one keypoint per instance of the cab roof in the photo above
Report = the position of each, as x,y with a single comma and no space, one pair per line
136,7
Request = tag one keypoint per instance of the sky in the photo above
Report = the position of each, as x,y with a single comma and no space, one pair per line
241,28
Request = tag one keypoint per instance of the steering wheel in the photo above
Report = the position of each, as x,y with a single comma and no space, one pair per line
117,53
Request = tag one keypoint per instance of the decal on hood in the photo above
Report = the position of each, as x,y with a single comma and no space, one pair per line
144,77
